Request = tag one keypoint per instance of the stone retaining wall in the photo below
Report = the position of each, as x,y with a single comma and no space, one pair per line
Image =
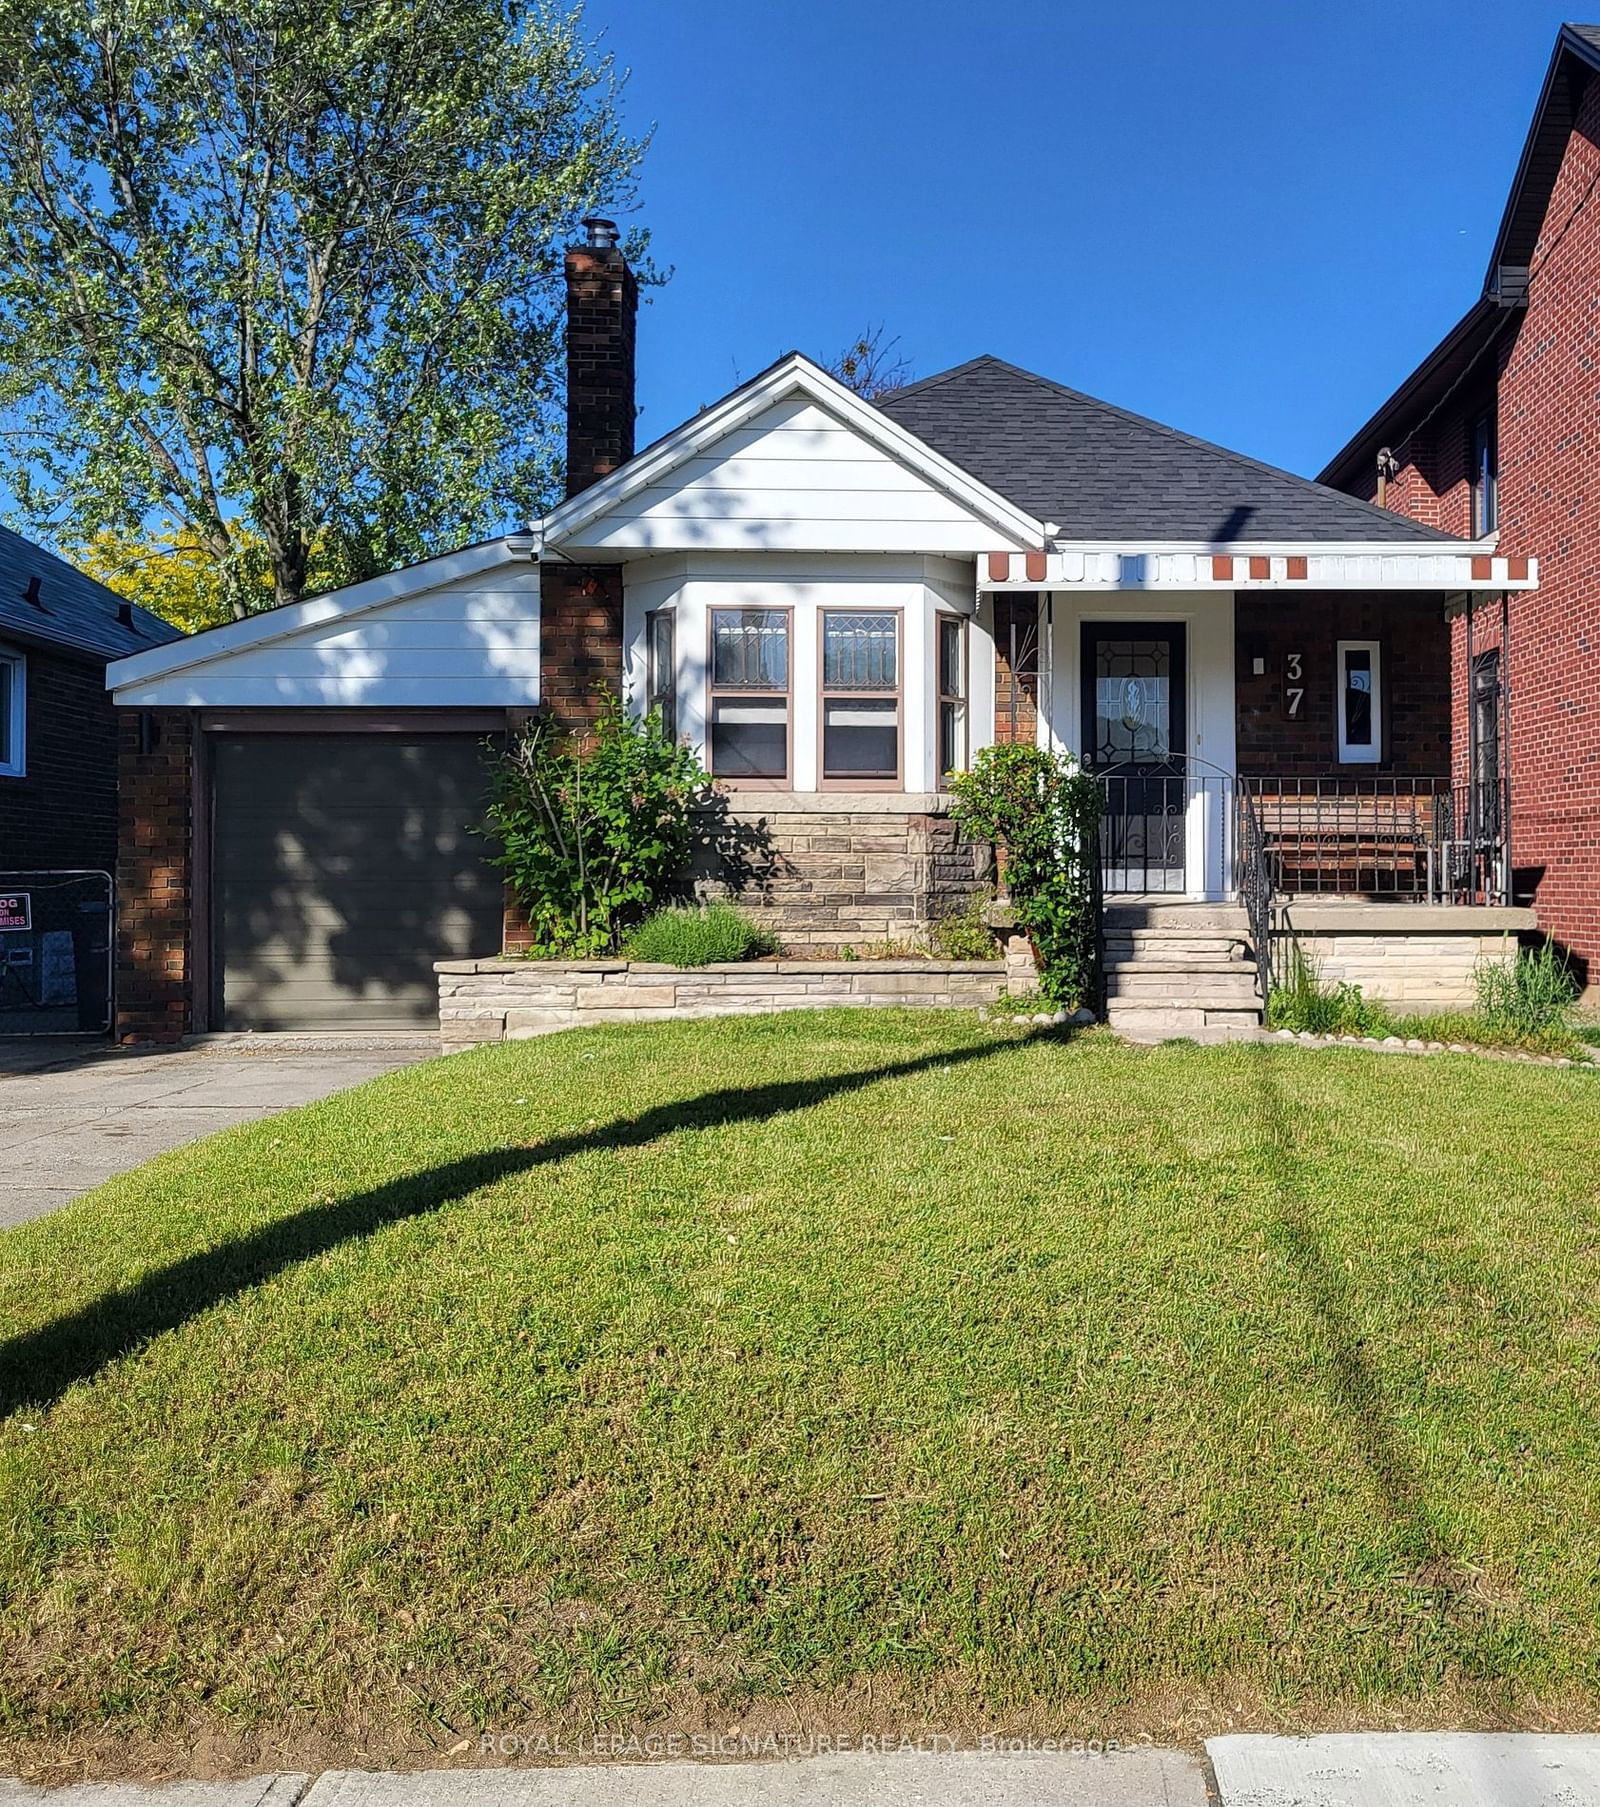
829,870
509,1000
1418,957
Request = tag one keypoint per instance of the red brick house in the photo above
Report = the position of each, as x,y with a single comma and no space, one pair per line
1497,433
58,782
838,604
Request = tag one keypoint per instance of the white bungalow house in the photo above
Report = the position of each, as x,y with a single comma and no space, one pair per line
837,602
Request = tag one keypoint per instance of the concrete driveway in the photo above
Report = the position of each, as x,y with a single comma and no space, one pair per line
74,1113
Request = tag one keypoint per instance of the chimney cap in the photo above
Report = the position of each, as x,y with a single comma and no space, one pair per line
603,233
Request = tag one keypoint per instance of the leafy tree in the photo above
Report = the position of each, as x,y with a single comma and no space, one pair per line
170,573
871,365
286,273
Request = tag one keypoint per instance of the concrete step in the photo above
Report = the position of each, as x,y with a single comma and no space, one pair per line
1205,1026
1225,918
1177,960
1201,991
1159,937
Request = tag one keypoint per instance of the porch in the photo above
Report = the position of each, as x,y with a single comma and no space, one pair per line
1278,764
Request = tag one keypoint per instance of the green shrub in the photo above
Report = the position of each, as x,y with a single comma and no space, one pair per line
1532,995
963,934
698,935
592,830
1041,811
1303,1003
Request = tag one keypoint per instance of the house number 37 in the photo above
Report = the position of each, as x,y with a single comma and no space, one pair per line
1294,689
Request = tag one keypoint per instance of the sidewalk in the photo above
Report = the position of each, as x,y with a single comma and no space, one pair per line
1355,1769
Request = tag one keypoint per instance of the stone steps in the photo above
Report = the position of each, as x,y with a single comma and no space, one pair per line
1213,990
1179,969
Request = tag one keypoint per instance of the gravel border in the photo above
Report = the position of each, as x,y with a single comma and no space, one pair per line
1394,1044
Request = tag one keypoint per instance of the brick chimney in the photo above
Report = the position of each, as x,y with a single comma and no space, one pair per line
580,633
602,302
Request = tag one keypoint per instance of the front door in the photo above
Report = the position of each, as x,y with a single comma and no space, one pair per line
1135,731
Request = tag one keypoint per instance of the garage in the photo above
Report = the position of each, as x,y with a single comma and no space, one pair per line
343,865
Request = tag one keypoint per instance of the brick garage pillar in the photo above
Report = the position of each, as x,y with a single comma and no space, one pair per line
155,875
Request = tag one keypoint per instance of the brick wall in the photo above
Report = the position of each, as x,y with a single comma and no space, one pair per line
580,641
1547,369
63,811
155,875
1415,662
1016,669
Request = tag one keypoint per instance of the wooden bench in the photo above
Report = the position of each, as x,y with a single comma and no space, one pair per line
1331,843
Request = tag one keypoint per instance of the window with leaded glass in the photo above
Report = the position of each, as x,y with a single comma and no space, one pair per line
860,696
749,703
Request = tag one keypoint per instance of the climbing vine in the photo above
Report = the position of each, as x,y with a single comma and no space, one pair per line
1041,811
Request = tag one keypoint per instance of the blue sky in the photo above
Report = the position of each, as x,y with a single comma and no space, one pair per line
1248,219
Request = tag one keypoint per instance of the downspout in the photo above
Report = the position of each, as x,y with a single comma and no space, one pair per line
1472,749
1505,737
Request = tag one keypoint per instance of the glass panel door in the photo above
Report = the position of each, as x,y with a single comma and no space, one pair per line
1135,727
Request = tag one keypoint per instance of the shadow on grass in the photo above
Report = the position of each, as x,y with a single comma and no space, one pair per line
1355,1389
37,1368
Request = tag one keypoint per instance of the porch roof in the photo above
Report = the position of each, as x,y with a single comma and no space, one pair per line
1262,566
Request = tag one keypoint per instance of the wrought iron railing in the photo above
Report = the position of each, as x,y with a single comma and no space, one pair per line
1166,829
1254,881
1388,837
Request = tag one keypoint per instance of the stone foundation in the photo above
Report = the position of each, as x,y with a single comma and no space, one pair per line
1418,957
509,1000
828,870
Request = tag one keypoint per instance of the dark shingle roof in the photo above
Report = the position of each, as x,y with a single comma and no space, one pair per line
72,609
1101,473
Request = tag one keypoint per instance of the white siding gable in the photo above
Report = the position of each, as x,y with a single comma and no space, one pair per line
796,477
473,643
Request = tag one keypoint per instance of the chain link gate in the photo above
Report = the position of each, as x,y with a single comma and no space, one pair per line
55,952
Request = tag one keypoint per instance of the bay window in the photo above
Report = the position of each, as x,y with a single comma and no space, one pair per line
749,697
860,696
952,678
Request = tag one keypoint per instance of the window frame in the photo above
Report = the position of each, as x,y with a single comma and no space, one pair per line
742,781
1358,755
659,686
14,675
1485,474
823,694
960,699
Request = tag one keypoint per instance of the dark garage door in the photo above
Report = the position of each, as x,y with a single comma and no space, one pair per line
343,866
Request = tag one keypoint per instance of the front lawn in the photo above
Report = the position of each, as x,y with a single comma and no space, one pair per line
843,1371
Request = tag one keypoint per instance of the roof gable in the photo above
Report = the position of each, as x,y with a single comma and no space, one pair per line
1103,474
1573,63
231,647
791,460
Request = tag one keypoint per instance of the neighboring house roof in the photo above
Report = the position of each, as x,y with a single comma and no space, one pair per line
43,598
1102,474
1505,285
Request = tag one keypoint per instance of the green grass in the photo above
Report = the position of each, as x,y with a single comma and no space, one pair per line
854,1367
698,935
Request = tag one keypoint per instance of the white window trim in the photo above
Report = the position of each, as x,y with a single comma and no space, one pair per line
1368,755
14,672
